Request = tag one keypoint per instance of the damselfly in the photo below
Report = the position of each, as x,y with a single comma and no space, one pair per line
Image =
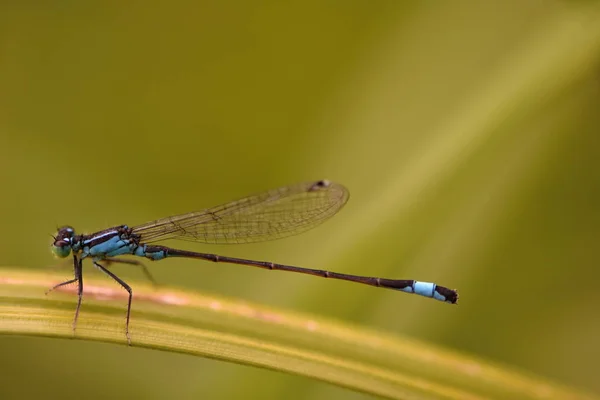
277,213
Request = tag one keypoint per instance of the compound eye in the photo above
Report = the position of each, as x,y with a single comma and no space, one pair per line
62,242
61,248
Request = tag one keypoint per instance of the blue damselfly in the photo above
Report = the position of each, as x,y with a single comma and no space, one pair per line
273,214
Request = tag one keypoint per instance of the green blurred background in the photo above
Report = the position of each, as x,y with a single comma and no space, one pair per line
467,133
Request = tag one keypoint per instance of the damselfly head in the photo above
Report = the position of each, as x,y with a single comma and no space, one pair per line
63,242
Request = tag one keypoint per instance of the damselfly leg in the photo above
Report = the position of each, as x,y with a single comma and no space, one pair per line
111,260
126,287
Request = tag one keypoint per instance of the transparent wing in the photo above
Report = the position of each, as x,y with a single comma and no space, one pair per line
274,214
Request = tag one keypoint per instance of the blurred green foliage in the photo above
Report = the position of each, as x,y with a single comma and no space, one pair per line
467,133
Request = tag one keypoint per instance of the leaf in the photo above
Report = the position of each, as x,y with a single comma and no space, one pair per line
237,331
